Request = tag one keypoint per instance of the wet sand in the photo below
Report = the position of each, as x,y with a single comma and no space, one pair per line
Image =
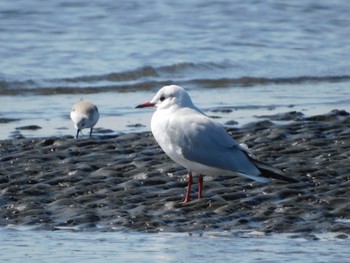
126,182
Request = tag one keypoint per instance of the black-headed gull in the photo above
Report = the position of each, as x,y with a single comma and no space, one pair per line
193,140
84,114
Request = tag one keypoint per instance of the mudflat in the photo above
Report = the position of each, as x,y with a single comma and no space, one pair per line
111,183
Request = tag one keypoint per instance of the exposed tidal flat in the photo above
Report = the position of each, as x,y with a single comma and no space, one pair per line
125,182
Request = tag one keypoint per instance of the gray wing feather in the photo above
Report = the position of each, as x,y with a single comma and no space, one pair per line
207,142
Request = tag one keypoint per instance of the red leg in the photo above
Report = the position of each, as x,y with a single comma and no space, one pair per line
188,193
200,186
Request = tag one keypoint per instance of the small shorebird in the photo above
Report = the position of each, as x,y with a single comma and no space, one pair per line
193,140
84,114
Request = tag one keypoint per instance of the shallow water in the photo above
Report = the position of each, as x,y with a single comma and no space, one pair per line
252,56
224,38
63,246
117,113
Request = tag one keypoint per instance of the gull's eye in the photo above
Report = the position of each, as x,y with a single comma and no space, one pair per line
162,98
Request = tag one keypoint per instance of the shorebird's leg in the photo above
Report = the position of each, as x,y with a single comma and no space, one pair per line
189,184
78,130
90,132
200,186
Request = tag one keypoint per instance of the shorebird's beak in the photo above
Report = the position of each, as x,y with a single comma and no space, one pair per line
145,105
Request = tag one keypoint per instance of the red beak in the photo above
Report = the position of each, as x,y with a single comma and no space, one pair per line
145,105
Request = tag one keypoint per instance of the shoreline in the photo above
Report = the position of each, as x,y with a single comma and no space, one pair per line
118,182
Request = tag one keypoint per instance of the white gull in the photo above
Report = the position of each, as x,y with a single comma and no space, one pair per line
198,143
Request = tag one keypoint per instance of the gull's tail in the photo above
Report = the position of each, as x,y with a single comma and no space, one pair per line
270,171
266,170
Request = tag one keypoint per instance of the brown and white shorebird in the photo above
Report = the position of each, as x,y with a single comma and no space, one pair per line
198,143
84,114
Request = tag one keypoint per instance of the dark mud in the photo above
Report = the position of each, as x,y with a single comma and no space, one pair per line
127,182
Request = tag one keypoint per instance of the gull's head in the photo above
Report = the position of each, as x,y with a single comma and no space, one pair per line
169,96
